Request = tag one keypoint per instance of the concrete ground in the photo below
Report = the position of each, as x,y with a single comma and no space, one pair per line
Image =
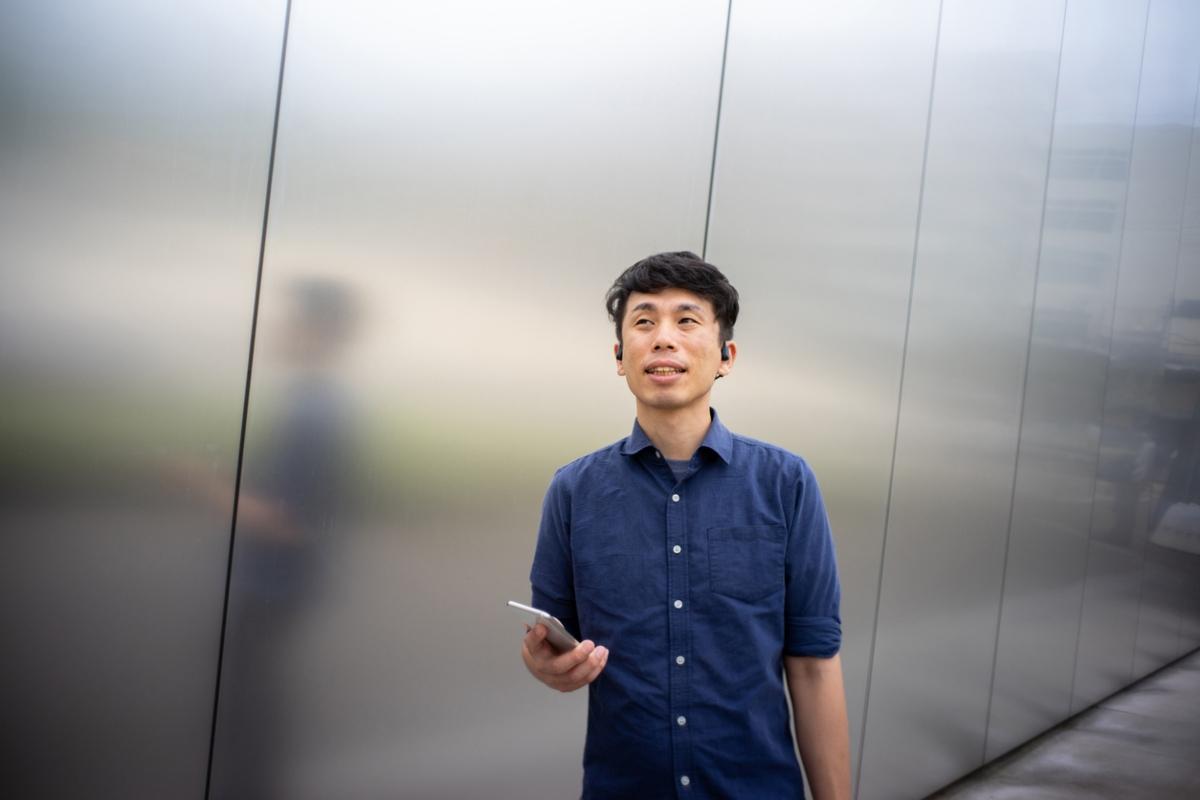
1143,742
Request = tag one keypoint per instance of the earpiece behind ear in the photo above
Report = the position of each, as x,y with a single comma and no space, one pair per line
724,352
620,351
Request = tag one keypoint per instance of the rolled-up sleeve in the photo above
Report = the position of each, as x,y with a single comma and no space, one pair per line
813,625
550,578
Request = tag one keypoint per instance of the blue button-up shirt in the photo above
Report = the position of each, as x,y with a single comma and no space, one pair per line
698,587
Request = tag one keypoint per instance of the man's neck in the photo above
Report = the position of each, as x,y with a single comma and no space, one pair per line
676,432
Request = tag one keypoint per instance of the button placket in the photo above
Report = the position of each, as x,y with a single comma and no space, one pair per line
678,619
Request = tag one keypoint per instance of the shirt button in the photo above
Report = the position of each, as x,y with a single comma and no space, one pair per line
675,498
657,454
685,780
679,660
681,720
676,549
679,604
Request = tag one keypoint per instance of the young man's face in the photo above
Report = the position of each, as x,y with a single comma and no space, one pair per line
671,349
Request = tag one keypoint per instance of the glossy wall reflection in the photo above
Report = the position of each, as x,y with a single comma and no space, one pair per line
967,239
134,144
456,181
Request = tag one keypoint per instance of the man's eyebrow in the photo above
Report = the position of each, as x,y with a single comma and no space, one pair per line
646,305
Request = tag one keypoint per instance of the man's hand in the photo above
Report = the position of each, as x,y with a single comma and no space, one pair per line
567,671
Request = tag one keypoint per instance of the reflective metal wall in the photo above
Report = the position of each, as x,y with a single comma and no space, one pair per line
1128,626
960,399
816,198
134,142
1158,221
456,185
1082,223
967,239
1183,379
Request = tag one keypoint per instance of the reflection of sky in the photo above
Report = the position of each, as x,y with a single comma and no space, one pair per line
1171,74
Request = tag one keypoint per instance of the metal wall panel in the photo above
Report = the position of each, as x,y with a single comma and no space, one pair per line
1064,389
1173,533
1178,523
1160,609
1134,447
814,212
134,141
456,186
989,141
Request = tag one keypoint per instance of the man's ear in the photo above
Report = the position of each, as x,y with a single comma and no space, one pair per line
727,364
618,353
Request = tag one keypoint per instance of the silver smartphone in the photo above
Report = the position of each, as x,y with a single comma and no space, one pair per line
556,634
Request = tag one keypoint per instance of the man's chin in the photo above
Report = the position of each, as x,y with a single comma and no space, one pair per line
667,400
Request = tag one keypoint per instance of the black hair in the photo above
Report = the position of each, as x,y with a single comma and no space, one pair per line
680,270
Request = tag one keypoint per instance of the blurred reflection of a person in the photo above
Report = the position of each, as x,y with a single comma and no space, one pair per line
289,507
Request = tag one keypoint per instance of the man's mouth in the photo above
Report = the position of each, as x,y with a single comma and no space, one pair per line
665,370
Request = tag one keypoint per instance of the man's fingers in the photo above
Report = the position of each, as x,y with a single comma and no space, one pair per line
595,673
534,635
564,663
586,671
566,671
584,674
536,644
560,664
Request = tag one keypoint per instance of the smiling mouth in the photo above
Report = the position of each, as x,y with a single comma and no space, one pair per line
666,371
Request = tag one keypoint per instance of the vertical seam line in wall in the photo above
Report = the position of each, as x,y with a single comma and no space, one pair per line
1012,498
712,169
887,508
237,484
1187,172
1112,324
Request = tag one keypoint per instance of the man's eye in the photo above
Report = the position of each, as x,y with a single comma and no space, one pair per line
640,321
687,319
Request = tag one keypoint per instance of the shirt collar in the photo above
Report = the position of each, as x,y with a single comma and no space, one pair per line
718,439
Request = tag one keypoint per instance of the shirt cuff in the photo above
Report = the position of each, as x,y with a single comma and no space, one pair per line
812,636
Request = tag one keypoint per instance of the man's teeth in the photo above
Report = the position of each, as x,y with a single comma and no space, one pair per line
664,370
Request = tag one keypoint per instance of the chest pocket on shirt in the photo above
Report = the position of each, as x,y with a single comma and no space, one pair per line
611,581
746,562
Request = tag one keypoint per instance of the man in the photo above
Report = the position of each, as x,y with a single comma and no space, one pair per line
703,562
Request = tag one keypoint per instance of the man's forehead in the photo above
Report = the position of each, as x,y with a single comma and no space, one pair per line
668,300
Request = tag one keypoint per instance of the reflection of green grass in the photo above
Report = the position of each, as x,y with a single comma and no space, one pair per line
401,456
93,436
434,458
